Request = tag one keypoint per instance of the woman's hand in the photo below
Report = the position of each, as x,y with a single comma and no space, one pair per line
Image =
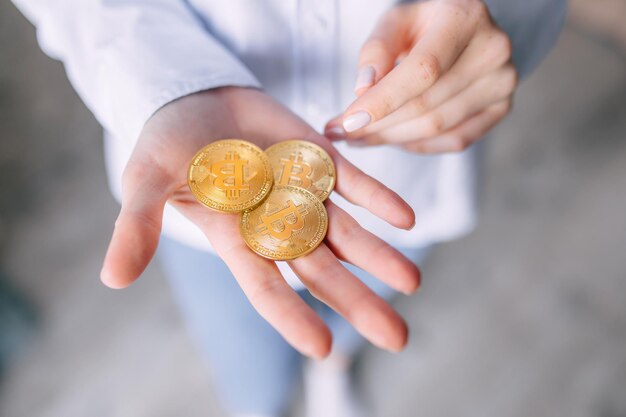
454,81
157,174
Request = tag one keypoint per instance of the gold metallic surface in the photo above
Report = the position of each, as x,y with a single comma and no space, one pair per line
290,223
303,164
230,175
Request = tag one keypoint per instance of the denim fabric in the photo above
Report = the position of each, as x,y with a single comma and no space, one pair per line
254,369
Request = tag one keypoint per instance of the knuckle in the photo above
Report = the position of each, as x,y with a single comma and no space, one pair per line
502,46
511,79
144,219
415,147
429,68
435,124
480,9
457,6
264,289
134,173
347,229
419,105
501,110
384,105
379,193
357,183
321,275
459,144
473,11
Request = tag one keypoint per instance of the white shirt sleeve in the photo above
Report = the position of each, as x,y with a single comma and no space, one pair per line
127,58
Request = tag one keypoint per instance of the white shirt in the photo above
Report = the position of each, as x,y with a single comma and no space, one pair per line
128,58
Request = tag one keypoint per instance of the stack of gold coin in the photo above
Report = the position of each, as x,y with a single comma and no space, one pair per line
279,193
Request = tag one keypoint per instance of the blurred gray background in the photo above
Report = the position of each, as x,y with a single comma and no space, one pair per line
525,317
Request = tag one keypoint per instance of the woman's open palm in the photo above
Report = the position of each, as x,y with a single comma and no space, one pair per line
157,174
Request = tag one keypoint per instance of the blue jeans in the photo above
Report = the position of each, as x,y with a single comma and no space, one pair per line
254,369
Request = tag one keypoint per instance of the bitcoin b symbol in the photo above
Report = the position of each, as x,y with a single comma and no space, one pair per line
296,170
229,175
284,222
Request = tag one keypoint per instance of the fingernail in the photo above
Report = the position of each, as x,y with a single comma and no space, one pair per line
335,133
365,78
356,121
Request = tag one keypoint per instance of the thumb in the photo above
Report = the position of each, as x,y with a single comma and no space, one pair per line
138,226
379,53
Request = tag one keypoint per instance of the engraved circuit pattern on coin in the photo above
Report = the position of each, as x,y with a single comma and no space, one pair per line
290,223
230,175
303,164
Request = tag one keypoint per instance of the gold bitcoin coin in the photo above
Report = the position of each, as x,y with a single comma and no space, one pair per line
303,164
290,223
230,175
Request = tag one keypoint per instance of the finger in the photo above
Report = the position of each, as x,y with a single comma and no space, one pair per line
477,97
362,190
379,53
262,283
353,244
354,185
145,189
487,52
467,133
334,129
431,57
333,284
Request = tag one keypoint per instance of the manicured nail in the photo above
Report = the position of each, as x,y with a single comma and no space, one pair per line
356,121
365,78
335,133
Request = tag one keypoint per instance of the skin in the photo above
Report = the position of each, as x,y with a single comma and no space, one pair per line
157,174
453,83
